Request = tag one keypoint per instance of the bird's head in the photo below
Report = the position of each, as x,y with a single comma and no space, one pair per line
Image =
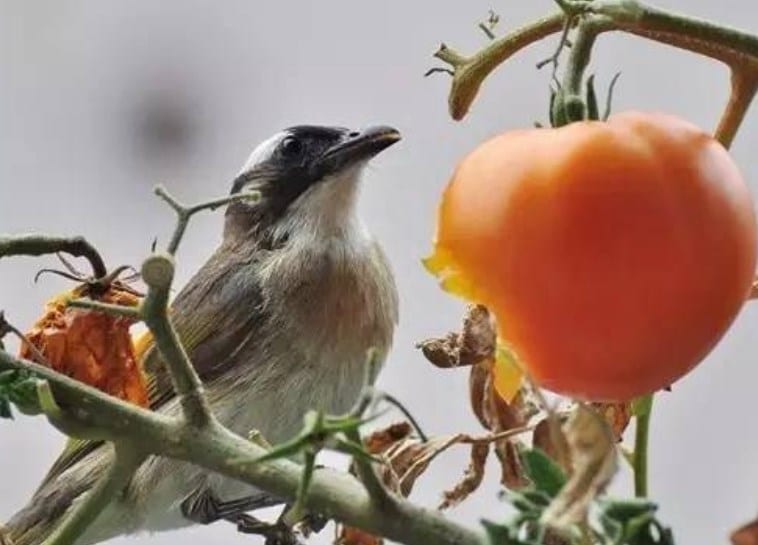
307,177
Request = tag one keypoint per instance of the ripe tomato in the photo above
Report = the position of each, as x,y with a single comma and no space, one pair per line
614,254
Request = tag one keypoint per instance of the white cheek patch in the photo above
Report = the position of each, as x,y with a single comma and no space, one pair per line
263,152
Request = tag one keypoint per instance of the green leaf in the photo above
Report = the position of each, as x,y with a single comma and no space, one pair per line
633,522
497,534
546,475
592,110
5,408
19,388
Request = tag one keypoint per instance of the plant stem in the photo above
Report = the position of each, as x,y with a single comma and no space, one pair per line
744,87
158,273
333,493
643,410
579,58
44,244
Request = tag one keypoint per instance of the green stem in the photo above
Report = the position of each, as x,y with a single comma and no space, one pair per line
579,58
158,273
643,410
717,41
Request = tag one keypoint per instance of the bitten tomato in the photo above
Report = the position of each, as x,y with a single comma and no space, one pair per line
614,254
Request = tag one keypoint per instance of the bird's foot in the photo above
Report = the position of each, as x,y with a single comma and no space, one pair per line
277,533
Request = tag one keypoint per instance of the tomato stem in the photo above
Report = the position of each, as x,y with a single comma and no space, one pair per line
736,48
643,408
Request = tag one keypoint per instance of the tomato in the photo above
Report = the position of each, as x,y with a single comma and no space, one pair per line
614,255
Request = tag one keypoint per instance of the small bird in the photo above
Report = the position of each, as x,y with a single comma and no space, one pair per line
277,322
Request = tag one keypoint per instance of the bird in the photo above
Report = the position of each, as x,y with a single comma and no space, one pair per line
277,322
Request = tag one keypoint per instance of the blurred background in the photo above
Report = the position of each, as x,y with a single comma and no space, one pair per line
99,101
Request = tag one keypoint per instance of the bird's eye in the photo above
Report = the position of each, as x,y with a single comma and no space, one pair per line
291,147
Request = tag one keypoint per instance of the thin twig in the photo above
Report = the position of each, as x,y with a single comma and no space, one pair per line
37,245
184,213
392,400
6,326
122,311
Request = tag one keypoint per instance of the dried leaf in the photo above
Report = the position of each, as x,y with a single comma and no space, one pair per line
480,379
472,477
475,342
512,470
593,455
381,440
90,346
618,416
409,459
542,438
747,535
347,535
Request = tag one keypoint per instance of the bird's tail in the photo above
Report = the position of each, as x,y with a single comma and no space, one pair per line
25,529
5,536
50,503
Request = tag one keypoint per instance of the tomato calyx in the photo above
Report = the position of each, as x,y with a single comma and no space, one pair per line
566,107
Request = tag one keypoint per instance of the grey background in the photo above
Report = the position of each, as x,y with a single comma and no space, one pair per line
101,100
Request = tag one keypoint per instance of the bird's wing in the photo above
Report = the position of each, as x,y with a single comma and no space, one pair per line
210,325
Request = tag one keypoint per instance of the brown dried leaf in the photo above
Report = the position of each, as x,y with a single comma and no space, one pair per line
479,382
472,477
746,535
593,456
618,416
90,346
409,459
544,439
475,342
347,535
512,471
478,337
381,440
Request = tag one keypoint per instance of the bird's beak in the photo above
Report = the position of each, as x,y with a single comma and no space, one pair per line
358,146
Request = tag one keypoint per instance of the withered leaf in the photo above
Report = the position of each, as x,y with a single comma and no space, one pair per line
552,441
618,416
347,535
475,342
746,535
593,456
381,440
511,469
90,346
472,477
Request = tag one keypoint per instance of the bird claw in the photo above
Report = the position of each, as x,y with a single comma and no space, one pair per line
277,533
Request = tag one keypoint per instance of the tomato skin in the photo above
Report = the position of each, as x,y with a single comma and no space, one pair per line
615,255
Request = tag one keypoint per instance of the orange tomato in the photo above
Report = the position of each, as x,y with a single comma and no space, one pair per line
614,254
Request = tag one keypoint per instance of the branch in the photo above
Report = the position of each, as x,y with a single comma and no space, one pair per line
336,494
733,47
36,245
184,213
158,273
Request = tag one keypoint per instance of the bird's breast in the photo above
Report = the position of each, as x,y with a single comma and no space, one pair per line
326,306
